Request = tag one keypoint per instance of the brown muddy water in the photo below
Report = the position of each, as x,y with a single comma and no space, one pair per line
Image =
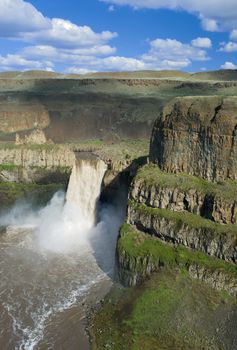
56,262
44,295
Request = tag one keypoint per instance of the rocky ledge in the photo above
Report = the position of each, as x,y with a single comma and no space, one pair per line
186,229
182,192
139,255
198,136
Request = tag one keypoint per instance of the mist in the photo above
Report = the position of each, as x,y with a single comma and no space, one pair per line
53,256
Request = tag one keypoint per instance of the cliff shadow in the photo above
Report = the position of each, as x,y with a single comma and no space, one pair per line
111,213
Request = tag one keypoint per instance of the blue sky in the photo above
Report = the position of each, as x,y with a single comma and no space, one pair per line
118,35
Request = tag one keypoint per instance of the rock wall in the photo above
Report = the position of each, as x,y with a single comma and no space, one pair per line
210,240
133,271
198,136
71,116
212,207
45,157
135,268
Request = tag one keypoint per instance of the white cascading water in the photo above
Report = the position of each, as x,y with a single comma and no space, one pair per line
51,258
84,187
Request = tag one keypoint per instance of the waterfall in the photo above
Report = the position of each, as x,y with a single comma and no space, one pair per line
85,185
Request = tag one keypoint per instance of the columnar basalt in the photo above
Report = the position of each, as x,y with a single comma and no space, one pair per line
198,136
182,208
181,192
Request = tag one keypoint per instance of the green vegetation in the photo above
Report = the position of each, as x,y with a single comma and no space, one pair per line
8,167
151,175
122,150
39,195
46,146
136,244
169,312
179,219
126,149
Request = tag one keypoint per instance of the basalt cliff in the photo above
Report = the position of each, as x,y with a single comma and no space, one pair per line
182,206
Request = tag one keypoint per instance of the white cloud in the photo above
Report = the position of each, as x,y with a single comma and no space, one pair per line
173,50
65,34
214,14
75,70
233,34
17,62
228,65
52,40
56,40
228,47
204,43
18,16
21,20
162,54
210,25
53,53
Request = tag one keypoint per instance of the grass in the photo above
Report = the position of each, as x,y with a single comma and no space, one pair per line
151,175
169,312
136,244
180,219
8,167
122,149
47,147
38,194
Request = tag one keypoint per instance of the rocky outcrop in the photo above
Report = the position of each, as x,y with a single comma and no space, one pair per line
35,137
139,256
45,157
198,136
215,240
15,117
210,206
134,271
36,164
105,106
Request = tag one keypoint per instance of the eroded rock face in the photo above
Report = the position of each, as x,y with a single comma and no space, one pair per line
36,137
42,157
197,135
220,245
133,271
23,116
34,164
217,209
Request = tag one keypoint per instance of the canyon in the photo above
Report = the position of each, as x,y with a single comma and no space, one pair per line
167,146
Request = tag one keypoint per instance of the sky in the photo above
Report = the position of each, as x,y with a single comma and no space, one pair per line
81,36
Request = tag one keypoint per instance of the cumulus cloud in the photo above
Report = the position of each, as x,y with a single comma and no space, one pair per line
53,39
202,43
214,14
21,20
210,25
233,34
228,47
53,53
18,16
228,65
163,54
80,49
173,50
63,33
12,62
113,63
